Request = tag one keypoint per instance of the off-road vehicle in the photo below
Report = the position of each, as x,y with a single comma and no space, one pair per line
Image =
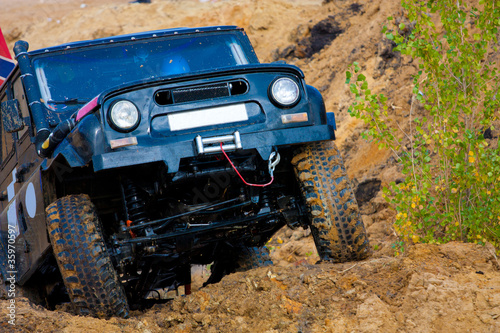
125,160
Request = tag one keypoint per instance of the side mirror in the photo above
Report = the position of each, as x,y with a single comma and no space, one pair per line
11,116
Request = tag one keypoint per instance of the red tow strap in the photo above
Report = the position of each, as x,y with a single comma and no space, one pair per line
244,181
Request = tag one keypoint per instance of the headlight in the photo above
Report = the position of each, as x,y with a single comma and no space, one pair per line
285,91
124,116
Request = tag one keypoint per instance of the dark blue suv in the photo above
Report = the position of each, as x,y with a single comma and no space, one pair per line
126,160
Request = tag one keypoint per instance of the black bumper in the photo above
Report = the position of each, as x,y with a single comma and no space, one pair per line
172,154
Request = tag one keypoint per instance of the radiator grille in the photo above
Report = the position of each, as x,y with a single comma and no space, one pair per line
200,93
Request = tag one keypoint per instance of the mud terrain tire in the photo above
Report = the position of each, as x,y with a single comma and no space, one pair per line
336,224
89,276
240,259
253,257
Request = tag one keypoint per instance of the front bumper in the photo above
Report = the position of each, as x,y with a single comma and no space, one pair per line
172,154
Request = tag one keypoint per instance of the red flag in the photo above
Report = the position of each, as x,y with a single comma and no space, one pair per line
6,62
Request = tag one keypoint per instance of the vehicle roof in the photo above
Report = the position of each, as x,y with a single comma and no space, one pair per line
135,36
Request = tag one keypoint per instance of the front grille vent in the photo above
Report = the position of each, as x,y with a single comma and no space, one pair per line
200,93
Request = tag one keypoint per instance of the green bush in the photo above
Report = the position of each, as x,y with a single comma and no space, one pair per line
450,192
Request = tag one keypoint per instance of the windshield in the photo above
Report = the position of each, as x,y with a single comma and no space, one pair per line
71,78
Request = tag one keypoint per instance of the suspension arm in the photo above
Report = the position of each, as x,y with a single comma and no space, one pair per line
167,220
213,226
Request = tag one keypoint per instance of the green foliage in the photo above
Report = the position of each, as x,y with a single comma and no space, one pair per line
398,247
450,191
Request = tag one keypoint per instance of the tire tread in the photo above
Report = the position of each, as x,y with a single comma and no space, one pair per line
336,225
253,257
88,273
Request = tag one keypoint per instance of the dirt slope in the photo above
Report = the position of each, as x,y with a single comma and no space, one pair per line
453,287
431,288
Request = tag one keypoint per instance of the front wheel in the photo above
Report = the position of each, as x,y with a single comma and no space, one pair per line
336,225
89,276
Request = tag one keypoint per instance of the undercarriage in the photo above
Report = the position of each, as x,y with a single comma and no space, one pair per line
156,225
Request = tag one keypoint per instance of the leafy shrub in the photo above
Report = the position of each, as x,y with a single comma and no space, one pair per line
450,192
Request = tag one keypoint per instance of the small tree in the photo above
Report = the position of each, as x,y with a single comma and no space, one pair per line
452,188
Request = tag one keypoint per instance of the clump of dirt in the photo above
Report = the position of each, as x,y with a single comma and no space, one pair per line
453,287
367,190
355,8
390,58
322,34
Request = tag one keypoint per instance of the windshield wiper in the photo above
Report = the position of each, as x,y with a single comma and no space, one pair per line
68,101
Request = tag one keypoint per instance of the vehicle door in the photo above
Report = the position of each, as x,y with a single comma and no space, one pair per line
21,199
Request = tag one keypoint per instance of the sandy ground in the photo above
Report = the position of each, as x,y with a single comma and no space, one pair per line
431,288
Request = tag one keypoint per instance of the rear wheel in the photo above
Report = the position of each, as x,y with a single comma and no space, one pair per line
89,276
336,225
253,257
238,259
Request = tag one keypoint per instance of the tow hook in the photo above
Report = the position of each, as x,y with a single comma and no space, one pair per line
274,159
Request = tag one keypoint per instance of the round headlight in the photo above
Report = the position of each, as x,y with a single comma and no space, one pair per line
285,91
124,116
